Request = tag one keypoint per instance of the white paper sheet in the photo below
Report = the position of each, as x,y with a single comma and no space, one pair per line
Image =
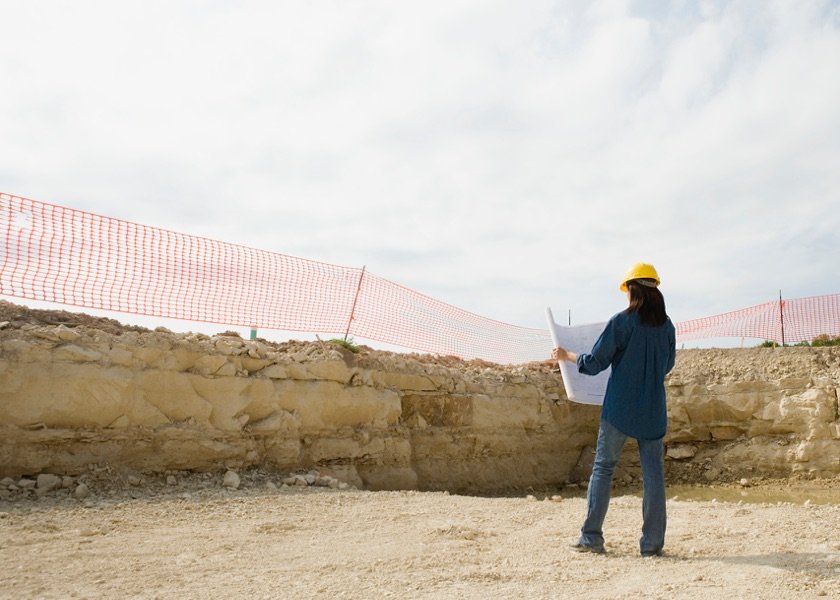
585,389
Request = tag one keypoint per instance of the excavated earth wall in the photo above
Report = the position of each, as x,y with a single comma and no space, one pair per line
78,392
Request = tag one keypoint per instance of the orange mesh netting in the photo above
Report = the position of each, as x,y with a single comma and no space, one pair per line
788,321
62,255
58,254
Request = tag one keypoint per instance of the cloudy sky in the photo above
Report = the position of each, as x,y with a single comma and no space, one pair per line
499,156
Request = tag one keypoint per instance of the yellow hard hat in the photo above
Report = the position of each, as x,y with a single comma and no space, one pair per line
639,271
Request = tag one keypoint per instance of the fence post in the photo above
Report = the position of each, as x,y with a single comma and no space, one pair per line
355,299
782,317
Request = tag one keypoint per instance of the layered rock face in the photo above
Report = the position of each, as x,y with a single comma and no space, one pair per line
757,410
77,391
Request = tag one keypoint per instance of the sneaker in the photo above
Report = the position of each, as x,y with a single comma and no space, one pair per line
652,553
578,547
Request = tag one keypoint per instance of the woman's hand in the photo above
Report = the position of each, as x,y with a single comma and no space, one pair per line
563,354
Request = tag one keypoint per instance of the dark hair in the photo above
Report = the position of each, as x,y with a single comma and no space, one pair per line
648,301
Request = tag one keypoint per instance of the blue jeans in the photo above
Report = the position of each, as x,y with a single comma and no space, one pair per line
610,443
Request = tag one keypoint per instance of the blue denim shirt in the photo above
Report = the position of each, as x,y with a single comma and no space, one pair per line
640,357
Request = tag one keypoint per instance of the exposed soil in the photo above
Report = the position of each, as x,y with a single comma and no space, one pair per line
192,538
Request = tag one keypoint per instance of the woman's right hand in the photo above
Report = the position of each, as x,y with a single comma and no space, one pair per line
563,354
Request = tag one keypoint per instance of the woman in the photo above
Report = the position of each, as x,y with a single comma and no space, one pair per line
639,344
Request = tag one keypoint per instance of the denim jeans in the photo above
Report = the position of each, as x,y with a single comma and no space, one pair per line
610,443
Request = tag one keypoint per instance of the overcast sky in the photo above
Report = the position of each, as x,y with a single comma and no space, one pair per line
499,156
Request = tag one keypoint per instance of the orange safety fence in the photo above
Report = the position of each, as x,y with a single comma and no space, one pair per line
57,254
68,256
780,321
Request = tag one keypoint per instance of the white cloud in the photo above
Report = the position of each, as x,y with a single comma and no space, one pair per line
498,156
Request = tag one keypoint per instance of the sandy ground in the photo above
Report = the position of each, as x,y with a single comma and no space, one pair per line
203,541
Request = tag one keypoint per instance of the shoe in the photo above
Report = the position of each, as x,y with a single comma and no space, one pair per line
652,553
578,547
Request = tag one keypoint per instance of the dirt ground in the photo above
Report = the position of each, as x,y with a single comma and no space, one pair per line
192,538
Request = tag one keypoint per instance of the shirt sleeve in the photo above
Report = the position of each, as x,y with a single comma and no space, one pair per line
672,350
603,352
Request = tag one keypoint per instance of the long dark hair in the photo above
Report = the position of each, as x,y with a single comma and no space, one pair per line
648,301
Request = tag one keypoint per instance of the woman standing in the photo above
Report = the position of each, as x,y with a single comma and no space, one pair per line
639,344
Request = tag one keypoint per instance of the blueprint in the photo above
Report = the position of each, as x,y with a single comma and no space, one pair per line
579,339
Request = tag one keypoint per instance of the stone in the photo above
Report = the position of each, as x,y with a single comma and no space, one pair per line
171,480
231,480
65,334
27,484
74,353
271,486
229,346
681,451
47,482
67,482
133,480
4,324
6,482
274,372
81,492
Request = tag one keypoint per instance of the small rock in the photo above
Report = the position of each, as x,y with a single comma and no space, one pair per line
270,486
65,334
47,482
231,480
744,482
4,494
26,484
323,481
170,480
133,480
6,482
343,485
289,481
310,478
300,481
4,324
81,492
67,482
531,497
556,498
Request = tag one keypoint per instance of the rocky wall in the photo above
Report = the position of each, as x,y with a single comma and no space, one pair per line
765,411
76,391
